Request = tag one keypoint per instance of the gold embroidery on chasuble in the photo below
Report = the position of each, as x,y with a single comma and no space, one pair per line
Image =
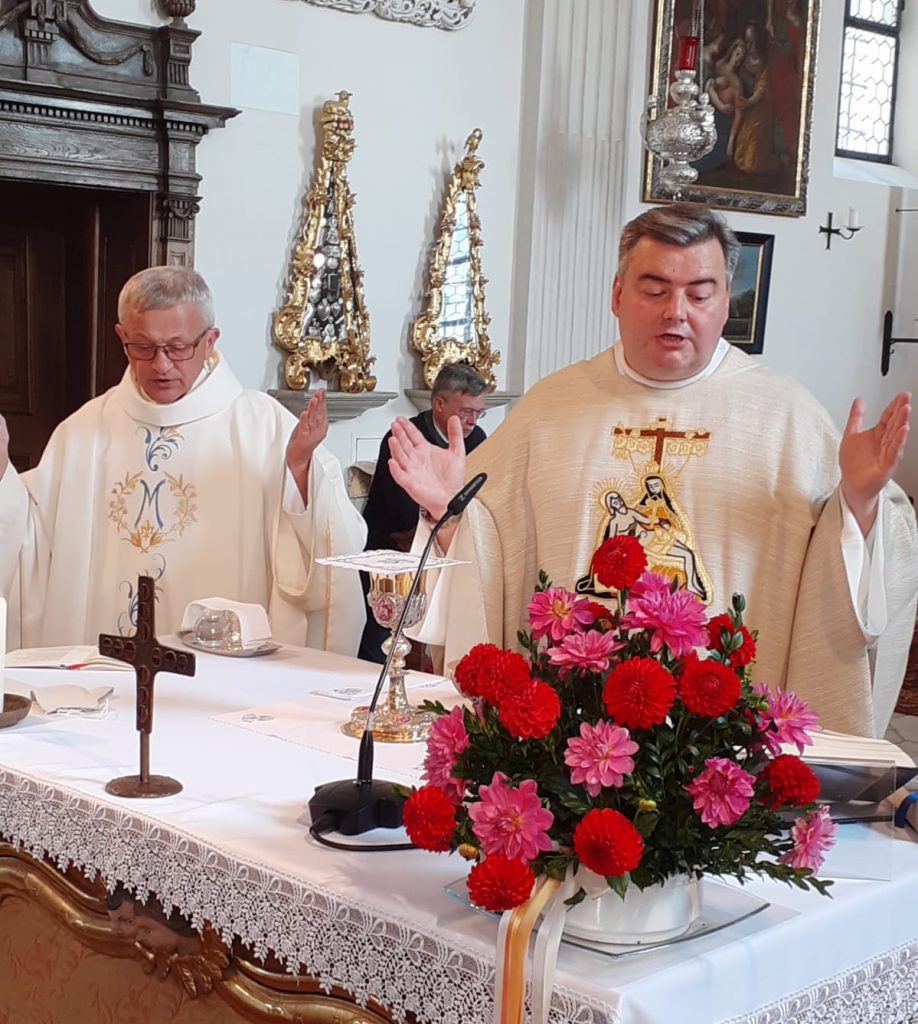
644,503
150,508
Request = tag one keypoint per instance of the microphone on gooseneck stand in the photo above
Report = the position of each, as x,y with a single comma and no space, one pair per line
353,806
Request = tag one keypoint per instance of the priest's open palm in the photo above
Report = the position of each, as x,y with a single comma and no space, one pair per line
869,457
4,447
429,474
307,435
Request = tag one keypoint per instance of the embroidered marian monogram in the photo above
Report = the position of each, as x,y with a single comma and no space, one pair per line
150,508
146,511
647,506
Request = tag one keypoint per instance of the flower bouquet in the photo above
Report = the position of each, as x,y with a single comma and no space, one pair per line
630,742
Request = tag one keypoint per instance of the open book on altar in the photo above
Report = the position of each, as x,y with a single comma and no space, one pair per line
856,771
83,656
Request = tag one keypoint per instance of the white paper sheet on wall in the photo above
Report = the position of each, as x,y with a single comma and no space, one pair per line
264,79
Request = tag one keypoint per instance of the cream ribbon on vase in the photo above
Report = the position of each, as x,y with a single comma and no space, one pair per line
516,926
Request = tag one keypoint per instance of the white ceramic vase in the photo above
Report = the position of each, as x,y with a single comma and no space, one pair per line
654,914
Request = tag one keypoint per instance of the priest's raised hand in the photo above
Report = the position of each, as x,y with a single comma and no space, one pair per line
869,458
430,475
307,435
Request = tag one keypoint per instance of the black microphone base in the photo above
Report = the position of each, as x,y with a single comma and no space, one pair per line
350,807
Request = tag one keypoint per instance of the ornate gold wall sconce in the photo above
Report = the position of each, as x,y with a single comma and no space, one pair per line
454,325
323,323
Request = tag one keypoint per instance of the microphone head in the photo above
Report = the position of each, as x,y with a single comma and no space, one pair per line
458,503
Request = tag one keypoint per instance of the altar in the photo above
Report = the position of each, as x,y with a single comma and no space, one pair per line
286,929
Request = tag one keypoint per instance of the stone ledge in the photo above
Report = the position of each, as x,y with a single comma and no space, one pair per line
420,397
341,405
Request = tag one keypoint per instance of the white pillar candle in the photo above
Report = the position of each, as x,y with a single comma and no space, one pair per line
853,219
2,647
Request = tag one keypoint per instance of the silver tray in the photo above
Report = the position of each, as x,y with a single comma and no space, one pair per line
721,906
266,647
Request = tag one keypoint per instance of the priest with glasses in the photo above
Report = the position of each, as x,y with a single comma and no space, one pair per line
181,474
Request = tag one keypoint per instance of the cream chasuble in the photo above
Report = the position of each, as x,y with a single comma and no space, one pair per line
191,493
730,483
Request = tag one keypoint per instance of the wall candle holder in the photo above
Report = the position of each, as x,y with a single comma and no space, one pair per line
889,341
847,232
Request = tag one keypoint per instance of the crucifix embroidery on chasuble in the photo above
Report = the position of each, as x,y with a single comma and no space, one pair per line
644,502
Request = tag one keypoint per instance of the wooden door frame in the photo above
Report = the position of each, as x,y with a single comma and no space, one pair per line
88,101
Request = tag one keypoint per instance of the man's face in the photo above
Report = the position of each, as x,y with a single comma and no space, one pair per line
161,378
458,403
672,303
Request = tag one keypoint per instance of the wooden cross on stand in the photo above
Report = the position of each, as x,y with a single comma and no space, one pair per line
148,656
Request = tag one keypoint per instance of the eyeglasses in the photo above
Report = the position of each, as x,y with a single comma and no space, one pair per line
176,351
472,414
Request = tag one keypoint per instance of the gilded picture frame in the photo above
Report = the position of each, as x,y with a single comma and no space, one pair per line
749,292
758,68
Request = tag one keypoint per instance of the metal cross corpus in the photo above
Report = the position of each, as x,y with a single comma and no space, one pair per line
148,656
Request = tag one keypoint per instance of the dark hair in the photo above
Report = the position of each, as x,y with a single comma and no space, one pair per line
455,378
681,224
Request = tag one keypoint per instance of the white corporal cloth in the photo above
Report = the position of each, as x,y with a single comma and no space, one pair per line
229,849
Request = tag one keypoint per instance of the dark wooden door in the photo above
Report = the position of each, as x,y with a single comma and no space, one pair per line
64,254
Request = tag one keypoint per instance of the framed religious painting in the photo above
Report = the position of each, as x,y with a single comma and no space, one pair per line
745,325
756,64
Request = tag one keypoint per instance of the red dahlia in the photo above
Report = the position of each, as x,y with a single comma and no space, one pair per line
618,562
788,781
708,687
744,653
429,817
602,616
530,714
639,693
491,673
499,883
606,842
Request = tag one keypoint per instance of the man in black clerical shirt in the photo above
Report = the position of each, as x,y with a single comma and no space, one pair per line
390,514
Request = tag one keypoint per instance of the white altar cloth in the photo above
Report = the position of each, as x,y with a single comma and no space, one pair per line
228,849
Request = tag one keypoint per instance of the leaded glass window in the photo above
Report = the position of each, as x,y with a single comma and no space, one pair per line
867,98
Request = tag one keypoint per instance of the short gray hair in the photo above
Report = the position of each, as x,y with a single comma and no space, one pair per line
681,224
455,378
163,288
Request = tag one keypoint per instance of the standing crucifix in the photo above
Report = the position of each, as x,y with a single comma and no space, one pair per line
148,656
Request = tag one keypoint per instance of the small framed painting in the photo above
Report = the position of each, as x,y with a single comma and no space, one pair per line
749,292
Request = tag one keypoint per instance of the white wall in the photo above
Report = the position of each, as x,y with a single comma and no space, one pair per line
416,95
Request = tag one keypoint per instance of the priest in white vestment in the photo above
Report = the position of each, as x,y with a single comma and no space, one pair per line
727,472
180,474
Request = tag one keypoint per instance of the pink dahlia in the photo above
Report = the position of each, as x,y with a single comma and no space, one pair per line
600,757
447,739
648,584
722,792
675,619
812,836
555,612
786,719
511,821
585,652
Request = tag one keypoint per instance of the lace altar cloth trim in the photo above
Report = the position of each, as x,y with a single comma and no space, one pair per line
883,990
404,968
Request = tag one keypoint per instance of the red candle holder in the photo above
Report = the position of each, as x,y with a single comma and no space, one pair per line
688,53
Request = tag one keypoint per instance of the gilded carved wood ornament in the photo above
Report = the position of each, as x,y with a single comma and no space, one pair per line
454,325
324,323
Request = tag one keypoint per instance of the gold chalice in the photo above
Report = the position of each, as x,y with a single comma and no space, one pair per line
395,720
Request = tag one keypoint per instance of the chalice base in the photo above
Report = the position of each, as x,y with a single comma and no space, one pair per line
391,725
